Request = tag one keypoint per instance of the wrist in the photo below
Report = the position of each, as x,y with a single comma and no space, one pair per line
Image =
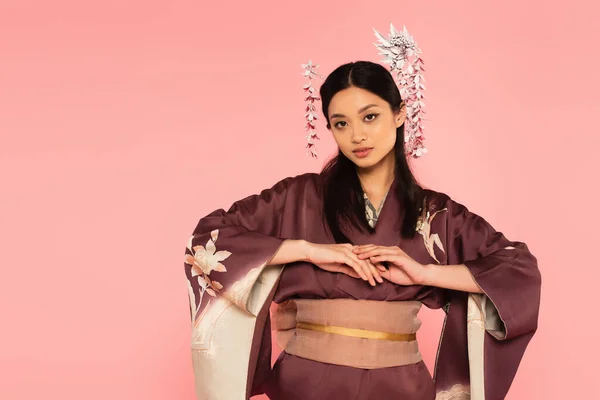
429,274
305,250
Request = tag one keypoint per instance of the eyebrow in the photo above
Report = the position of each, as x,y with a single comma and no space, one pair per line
359,111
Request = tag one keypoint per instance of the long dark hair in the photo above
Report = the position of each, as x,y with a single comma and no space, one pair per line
343,193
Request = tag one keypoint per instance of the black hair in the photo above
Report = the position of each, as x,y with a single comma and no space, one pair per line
343,193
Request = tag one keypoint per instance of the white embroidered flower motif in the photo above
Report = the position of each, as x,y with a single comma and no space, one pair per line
457,392
204,260
424,228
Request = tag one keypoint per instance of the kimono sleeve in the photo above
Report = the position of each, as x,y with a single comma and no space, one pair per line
230,285
499,323
228,250
505,270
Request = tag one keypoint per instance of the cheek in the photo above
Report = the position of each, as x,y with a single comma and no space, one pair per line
344,143
384,134
341,139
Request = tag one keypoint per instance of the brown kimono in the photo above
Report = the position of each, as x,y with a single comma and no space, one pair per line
231,289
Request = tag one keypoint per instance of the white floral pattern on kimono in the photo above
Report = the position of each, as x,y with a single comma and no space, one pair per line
371,212
424,229
204,260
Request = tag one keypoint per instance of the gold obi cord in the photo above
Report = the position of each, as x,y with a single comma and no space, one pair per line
356,333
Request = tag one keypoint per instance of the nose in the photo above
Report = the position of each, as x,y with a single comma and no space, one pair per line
358,135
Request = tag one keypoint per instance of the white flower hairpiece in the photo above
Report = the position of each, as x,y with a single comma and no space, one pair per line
311,115
403,55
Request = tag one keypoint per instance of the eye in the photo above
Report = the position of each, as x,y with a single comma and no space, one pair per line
370,117
337,124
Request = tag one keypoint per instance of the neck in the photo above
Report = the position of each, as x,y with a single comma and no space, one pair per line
377,179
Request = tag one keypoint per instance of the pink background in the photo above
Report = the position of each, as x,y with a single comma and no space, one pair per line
122,123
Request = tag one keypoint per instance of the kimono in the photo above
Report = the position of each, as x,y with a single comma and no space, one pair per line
231,287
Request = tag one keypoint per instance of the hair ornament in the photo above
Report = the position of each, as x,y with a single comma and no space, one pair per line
403,55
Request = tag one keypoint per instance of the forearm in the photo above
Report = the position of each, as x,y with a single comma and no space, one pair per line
454,277
291,251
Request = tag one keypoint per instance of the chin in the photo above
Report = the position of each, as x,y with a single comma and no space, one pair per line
365,162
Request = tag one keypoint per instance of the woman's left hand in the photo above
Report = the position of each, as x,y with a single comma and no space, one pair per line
403,270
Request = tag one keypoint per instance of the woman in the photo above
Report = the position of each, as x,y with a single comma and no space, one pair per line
364,246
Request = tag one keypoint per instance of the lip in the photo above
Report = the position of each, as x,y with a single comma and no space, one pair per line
362,152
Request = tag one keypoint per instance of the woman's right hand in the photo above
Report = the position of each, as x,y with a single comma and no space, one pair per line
340,258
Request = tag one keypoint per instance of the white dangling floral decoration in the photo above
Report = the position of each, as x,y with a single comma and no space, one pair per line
403,55
311,115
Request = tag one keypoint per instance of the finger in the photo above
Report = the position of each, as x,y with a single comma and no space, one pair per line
370,275
356,266
364,267
368,271
375,272
363,248
363,264
375,252
393,258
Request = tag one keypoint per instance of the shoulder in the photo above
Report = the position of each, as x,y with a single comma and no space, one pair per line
302,183
289,188
440,201
435,200
456,214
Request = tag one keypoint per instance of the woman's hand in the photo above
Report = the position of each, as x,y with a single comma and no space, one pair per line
403,270
340,258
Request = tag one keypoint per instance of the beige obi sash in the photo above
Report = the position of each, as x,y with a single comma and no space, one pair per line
357,333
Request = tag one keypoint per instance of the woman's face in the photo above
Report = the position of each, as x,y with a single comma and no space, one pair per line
364,126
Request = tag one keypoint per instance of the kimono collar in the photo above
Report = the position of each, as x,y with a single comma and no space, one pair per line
389,222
